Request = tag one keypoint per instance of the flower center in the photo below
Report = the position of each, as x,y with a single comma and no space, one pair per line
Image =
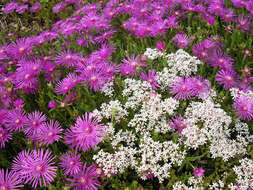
83,180
72,163
3,187
17,121
39,168
50,134
27,76
21,50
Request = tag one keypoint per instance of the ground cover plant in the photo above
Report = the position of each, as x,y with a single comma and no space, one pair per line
131,95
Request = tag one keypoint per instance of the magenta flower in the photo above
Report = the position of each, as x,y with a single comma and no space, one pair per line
9,180
59,7
36,6
5,136
52,104
49,132
200,87
20,48
71,164
182,88
67,83
21,8
199,172
244,107
18,104
228,78
86,179
35,167
182,40
178,124
10,7
151,78
132,64
15,120
86,133
160,46
67,58
34,123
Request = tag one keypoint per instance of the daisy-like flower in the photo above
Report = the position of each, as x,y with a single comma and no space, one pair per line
177,124
10,7
182,88
71,164
67,84
200,87
25,75
132,64
244,107
228,78
36,6
35,167
15,120
49,132
5,136
86,133
20,48
160,46
86,179
34,123
199,172
67,58
221,60
182,40
9,180
151,78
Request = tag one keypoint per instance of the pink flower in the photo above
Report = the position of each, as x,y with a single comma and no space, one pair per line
52,104
199,172
35,167
160,46
244,107
86,179
86,133
71,164
9,180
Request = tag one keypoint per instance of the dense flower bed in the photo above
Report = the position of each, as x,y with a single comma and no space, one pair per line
136,94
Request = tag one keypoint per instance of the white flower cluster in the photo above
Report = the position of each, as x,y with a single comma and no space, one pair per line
183,64
217,185
113,163
214,127
152,115
244,174
136,91
153,152
153,53
113,110
165,78
180,186
108,89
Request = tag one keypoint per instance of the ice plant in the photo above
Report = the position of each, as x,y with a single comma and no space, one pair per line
35,167
182,88
15,120
199,172
151,77
71,164
9,180
86,133
50,132
34,123
86,179
178,124
244,107
182,40
5,136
